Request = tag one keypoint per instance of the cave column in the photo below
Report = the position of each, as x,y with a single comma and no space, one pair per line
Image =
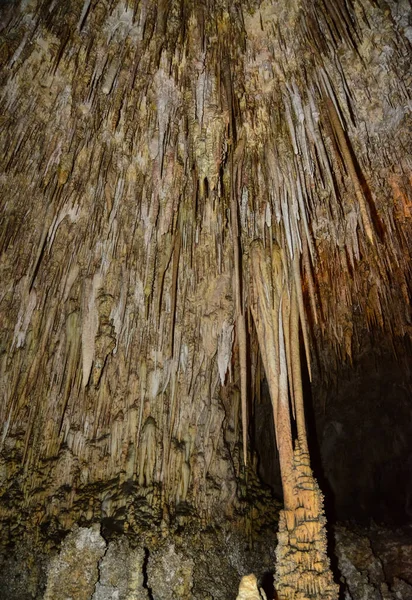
302,565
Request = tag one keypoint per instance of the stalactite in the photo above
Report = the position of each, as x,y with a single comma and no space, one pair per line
145,149
235,165
347,156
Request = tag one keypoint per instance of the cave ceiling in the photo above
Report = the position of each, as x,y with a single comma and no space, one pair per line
146,149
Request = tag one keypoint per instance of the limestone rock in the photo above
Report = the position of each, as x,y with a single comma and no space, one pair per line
364,571
121,573
394,549
145,146
248,589
23,573
170,575
401,590
74,573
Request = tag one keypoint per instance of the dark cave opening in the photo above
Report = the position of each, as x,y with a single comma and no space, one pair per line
145,575
267,584
360,440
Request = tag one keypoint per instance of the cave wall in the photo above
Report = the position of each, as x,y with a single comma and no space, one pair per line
135,135
173,566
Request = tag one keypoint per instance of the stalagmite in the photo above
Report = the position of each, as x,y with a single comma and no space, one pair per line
302,533
248,589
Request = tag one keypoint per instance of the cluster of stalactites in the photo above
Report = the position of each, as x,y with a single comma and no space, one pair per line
156,142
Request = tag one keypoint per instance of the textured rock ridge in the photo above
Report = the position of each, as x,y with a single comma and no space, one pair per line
302,563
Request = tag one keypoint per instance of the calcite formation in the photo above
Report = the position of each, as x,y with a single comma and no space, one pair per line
248,589
74,572
302,564
188,191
